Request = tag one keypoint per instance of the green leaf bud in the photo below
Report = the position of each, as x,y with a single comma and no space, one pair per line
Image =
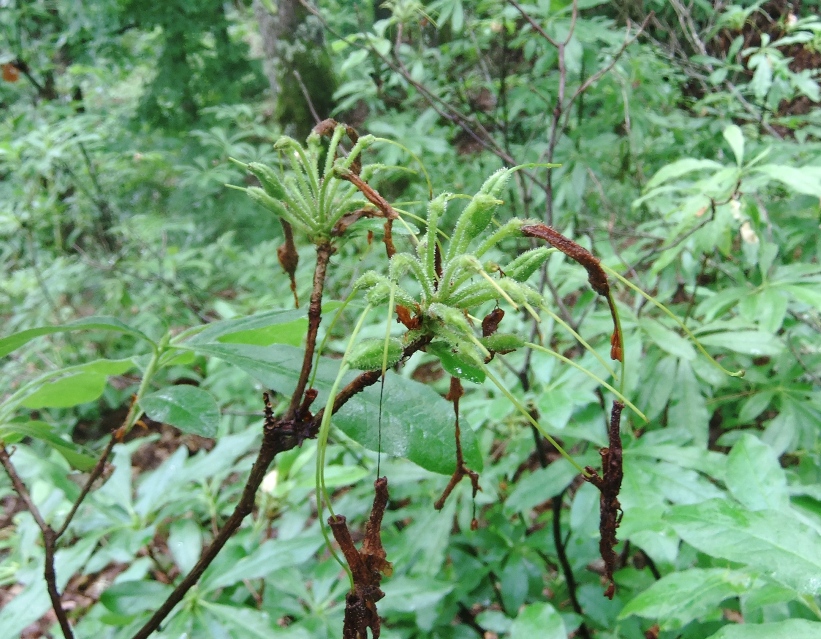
453,317
479,213
369,354
496,182
516,291
369,279
526,264
269,180
502,342
275,206
285,142
473,220
402,263
379,294
508,229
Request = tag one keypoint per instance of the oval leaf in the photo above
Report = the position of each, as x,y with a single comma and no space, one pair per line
456,364
679,598
75,385
416,422
538,620
735,139
189,408
771,541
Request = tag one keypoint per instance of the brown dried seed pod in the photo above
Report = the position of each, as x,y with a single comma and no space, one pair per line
595,273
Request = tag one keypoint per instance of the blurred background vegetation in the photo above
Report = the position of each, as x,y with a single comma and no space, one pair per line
690,162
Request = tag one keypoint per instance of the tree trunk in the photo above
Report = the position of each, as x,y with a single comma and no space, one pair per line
296,63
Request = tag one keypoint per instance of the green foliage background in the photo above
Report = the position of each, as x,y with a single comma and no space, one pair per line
695,173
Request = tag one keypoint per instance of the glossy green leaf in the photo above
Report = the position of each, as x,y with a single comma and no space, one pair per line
678,168
513,582
185,543
776,543
655,392
270,327
806,179
413,594
542,484
242,621
688,408
416,422
754,475
771,310
456,364
753,406
75,385
188,408
538,620
16,340
787,629
680,597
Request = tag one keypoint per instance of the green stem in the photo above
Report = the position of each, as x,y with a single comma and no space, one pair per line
611,301
535,424
669,313
590,374
322,442
415,157
580,339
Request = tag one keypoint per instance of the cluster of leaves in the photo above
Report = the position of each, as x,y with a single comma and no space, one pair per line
717,217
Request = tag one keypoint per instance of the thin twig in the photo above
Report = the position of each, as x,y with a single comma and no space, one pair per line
95,473
567,569
307,96
49,541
